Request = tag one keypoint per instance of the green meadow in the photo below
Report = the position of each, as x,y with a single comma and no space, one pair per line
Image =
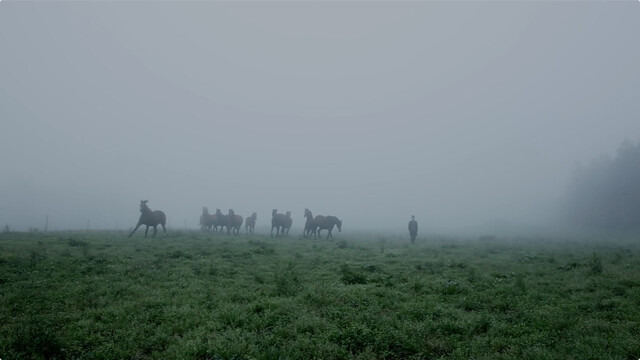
192,295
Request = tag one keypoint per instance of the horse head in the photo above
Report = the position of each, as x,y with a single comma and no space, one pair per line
339,224
143,205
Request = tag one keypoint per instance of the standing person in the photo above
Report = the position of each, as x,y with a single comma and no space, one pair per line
413,228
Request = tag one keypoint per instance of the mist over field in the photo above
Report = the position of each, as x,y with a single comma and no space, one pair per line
463,114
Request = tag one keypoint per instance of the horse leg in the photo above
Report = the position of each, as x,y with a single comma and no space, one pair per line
164,228
145,231
134,230
329,234
155,230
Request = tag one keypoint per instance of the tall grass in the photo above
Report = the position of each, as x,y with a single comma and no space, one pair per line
101,295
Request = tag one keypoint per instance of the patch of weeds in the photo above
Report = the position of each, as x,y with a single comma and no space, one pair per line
77,243
287,281
520,285
342,244
355,337
468,303
595,264
36,339
417,285
482,324
35,257
177,254
262,248
351,277
258,278
372,268
571,266
213,270
451,287
473,276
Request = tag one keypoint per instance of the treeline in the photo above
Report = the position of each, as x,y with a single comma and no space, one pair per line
606,192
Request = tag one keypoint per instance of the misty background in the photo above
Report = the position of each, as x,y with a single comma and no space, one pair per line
461,113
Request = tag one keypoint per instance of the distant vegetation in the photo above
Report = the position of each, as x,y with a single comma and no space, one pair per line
193,295
606,192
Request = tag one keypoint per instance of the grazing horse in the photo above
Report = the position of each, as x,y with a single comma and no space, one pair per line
207,220
325,222
150,218
250,223
308,225
278,221
221,220
234,222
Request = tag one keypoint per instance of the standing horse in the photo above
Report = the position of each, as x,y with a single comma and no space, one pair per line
278,221
250,223
326,222
234,222
221,220
207,220
308,225
150,218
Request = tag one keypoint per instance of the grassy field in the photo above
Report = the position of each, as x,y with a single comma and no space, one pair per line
191,295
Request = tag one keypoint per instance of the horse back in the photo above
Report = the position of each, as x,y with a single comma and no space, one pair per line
160,217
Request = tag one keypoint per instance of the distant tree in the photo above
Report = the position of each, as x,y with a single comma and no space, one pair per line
606,193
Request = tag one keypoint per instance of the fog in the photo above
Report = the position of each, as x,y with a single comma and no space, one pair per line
460,113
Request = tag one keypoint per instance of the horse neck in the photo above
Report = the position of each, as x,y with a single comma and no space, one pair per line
145,210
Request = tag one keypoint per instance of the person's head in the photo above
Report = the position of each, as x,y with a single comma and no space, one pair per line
413,217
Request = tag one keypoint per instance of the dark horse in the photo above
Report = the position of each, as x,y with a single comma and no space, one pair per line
250,223
221,220
278,221
308,225
287,223
325,222
234,222
207,221
150,218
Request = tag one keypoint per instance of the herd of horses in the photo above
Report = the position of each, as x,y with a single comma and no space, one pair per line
218,222
231,221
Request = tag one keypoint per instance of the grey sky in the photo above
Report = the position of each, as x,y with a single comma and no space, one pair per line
457,112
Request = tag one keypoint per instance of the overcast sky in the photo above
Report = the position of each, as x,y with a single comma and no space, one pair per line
458,112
